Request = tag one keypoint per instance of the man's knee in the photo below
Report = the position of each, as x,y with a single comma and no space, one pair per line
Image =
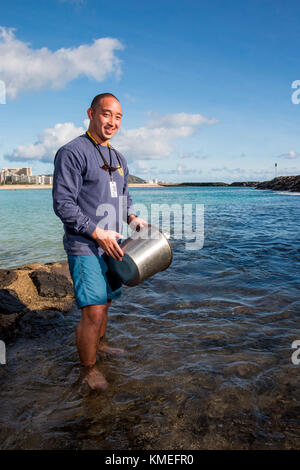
94,313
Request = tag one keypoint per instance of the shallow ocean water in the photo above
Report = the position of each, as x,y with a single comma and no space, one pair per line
208,341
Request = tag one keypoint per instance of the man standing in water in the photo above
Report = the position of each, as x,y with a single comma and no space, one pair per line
90,184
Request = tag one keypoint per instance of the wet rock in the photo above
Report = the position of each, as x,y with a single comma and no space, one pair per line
9,326
51,284
245,184
33,288
242,369
7,277
282,183
10,303
11,310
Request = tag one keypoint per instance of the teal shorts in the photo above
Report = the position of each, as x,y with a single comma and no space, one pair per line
93,283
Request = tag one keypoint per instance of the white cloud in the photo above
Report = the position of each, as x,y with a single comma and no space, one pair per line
143,143
179,120
183,170
290,155
155,139
180,173
23,68
229,174
192,155
179,168
140,167
49,141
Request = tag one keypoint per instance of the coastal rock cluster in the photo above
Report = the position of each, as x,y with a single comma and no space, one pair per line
282,183
246,184
32,288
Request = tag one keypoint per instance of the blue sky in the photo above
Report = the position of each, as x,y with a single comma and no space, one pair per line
205,86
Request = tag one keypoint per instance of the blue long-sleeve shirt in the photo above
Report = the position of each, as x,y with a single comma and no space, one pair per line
82,196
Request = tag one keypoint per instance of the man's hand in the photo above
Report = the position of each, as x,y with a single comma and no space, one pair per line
136,223
107,240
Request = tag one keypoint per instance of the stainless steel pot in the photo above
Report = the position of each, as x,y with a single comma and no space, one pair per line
146,253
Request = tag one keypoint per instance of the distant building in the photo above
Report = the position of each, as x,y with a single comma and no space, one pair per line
35,179
10,174
19,171
7,173
47,179
23,175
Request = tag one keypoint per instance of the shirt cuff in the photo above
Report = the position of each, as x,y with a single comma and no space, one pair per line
130,211
90,228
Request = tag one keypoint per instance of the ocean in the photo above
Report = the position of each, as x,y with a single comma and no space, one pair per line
209,340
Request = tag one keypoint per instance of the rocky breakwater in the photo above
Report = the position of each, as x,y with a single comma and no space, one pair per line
30,289
282,183
245,184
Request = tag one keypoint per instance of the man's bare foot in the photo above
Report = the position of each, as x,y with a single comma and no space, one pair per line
104,349
93,377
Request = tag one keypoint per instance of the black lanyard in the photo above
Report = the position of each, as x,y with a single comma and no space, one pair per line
106,166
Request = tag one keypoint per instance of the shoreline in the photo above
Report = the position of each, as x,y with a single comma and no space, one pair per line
12,187
49,186
281,183
25,186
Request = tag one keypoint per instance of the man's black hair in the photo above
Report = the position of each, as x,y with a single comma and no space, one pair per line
99,97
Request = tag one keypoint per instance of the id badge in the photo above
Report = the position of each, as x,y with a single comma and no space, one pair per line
113,189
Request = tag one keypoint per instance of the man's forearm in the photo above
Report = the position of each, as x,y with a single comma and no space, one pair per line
72,216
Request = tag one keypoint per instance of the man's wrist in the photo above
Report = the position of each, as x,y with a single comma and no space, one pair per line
96,235
131,217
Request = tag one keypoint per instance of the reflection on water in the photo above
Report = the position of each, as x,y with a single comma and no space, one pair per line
208,366
209,351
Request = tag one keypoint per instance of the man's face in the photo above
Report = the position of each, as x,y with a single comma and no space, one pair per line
105,119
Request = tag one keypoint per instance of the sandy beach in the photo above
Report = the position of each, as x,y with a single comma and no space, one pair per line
144,185
49,186
25,186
